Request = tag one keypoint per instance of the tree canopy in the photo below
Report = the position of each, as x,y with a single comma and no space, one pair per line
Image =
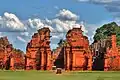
106,30
18,51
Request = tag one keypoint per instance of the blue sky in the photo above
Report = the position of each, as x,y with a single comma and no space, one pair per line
90,13
25,9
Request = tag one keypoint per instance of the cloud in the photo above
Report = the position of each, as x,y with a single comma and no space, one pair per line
25,34
59,25
35,23
66,20
63,21
53,46
64,26
10,22
38,24
55,37
56,7
112,6
99,1
67,15
21,39
58,35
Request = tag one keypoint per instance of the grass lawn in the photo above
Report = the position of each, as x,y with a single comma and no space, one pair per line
44,75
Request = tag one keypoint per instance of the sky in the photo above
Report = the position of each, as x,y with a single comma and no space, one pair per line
19,19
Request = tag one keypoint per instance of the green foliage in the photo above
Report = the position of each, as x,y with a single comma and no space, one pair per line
62,43
106,30
18,51
53,50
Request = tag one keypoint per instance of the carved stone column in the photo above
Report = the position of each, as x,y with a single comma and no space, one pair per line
90,62
42,59
49,63
67,58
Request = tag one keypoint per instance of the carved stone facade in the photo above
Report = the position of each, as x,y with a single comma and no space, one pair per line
78,54
112,57
75,54
38,52
106,54
9,57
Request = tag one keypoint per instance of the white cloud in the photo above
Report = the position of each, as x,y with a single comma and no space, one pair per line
58,35
25,34
38,24
99,1
112,6
60,25
64,21
48,22
53,46
10,22
35,23
21,39
55,37
56,7
67,15
103,1
64,26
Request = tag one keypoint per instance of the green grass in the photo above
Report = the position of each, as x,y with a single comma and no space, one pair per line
45,75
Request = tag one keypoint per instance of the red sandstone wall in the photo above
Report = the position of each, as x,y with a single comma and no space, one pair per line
112,58
78,53
38,52
9,56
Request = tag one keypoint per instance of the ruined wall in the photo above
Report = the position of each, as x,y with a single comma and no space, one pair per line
99,50
7,60
18,58
74,54
78,54
38,52
112,56
106,54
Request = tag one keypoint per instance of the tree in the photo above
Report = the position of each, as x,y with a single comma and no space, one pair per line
106,30
60,42
18,51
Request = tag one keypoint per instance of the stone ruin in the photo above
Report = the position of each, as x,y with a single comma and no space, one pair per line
38,52
74,54
106,54
10,58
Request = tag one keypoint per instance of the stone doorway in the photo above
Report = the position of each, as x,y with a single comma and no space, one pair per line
98,62
59,62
